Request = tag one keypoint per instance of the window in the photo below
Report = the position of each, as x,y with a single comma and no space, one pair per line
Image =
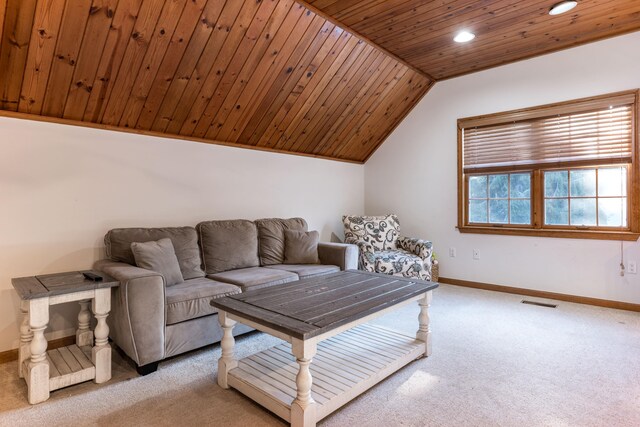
563,170
586,197
500,198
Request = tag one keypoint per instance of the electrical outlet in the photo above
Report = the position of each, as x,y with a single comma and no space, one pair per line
476,254
632,267
452,252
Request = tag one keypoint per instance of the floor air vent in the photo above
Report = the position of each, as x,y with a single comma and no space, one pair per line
541,304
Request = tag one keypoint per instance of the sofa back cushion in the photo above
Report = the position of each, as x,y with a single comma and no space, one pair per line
228,245
381,232
184,239
271,237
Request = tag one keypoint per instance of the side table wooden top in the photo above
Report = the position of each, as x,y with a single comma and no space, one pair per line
59,284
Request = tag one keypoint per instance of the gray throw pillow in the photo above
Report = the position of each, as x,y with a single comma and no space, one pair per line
271,237
301,247
158,256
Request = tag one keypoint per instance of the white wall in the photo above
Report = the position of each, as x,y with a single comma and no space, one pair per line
414,173
63,187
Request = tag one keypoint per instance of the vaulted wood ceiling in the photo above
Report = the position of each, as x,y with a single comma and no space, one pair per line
421,32
269,74
327,78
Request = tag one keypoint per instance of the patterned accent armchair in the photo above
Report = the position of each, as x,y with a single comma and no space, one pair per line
382,250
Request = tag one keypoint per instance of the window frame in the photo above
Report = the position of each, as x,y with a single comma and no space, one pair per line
537,228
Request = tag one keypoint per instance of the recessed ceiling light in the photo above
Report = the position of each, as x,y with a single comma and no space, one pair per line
562,7
464,36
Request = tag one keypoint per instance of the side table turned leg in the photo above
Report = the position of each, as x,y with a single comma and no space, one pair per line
84,335
227,360
26,336
303,407
101,352
38,368
424,331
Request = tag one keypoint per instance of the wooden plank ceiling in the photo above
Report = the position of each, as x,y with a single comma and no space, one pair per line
326,78
267,74
421,32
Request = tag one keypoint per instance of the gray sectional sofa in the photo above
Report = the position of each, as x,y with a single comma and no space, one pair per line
151,321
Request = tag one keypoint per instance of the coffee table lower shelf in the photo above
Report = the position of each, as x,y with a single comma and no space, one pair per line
345,366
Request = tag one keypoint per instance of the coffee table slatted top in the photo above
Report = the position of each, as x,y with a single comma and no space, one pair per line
310,307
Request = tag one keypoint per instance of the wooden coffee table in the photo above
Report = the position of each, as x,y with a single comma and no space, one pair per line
325,319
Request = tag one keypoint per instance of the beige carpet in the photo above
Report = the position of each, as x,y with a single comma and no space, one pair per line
496,362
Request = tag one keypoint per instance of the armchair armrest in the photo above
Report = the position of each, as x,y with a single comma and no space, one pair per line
343,255
365,254
137,317
419,247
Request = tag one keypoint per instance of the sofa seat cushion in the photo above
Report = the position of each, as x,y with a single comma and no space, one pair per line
190,299
306,270
255,277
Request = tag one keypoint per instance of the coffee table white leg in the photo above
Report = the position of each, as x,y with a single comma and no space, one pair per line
25,337
101,351
227,361
84,335
303,407
424,331
38,369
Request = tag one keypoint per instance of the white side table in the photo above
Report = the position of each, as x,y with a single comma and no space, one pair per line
89,358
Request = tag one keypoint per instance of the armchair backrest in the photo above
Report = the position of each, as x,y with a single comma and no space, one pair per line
381,232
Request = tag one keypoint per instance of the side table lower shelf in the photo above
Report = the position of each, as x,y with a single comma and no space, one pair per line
67,366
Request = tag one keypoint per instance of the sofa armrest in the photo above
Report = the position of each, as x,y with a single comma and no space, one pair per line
343,255
137,317
419,247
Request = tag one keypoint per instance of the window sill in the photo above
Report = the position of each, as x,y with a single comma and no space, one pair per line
565,234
